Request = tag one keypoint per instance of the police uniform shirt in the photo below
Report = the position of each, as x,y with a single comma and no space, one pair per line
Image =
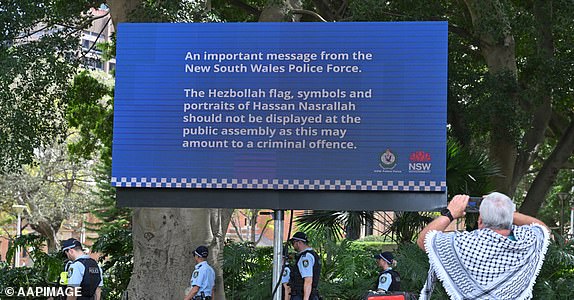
306,263
76,273
285,275
385,281
204,277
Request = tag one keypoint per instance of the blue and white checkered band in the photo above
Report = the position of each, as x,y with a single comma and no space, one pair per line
283,184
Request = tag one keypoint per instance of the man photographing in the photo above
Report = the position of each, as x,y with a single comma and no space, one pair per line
499,260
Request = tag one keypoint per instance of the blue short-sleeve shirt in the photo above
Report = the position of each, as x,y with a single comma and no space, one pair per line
306,263
76,273
203,276
385,281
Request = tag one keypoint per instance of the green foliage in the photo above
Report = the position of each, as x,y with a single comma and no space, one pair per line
114,230
172,11
493,96
348,269
116,246
247,271
230,12
35,72
43,273
54,189
90,111
335,223
407,225
413,265
468,171
557,274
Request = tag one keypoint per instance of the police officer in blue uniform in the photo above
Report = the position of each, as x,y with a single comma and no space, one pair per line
202,278
285,277
83,271
389,280
307,270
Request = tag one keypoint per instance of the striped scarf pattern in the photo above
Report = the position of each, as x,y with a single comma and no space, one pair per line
483,264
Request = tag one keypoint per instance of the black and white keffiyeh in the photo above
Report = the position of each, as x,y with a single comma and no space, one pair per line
483,264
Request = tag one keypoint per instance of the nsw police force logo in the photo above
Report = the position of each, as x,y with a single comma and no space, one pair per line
388,160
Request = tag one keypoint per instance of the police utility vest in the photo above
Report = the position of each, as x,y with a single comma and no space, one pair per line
297,282
395,280
91,278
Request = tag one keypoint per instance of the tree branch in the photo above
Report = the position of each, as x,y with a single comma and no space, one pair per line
30,34
463,33
237,230
543,181
309,13
263,231
96,42
541,113
86,23
245,7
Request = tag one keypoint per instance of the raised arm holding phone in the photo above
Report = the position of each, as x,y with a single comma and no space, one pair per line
500,260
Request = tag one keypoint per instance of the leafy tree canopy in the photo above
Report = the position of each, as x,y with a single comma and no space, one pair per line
38,56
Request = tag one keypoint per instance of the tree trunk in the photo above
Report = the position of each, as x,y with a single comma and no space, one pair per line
121,9
547,175
164,241
279,11
497,46
48,231
541,109
220,219
353,233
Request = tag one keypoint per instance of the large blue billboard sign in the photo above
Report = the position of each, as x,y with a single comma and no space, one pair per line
281,106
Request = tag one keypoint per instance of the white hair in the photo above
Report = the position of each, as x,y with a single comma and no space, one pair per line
496,211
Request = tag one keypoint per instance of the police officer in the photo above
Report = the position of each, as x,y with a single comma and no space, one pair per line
389,280
202,278
83,271
285,277
305,275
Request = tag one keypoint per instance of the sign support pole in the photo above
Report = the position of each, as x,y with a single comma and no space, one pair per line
278,222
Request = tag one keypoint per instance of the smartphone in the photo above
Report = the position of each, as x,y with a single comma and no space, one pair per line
473,204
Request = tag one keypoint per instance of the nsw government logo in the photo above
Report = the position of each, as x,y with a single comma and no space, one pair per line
420,162
388,160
